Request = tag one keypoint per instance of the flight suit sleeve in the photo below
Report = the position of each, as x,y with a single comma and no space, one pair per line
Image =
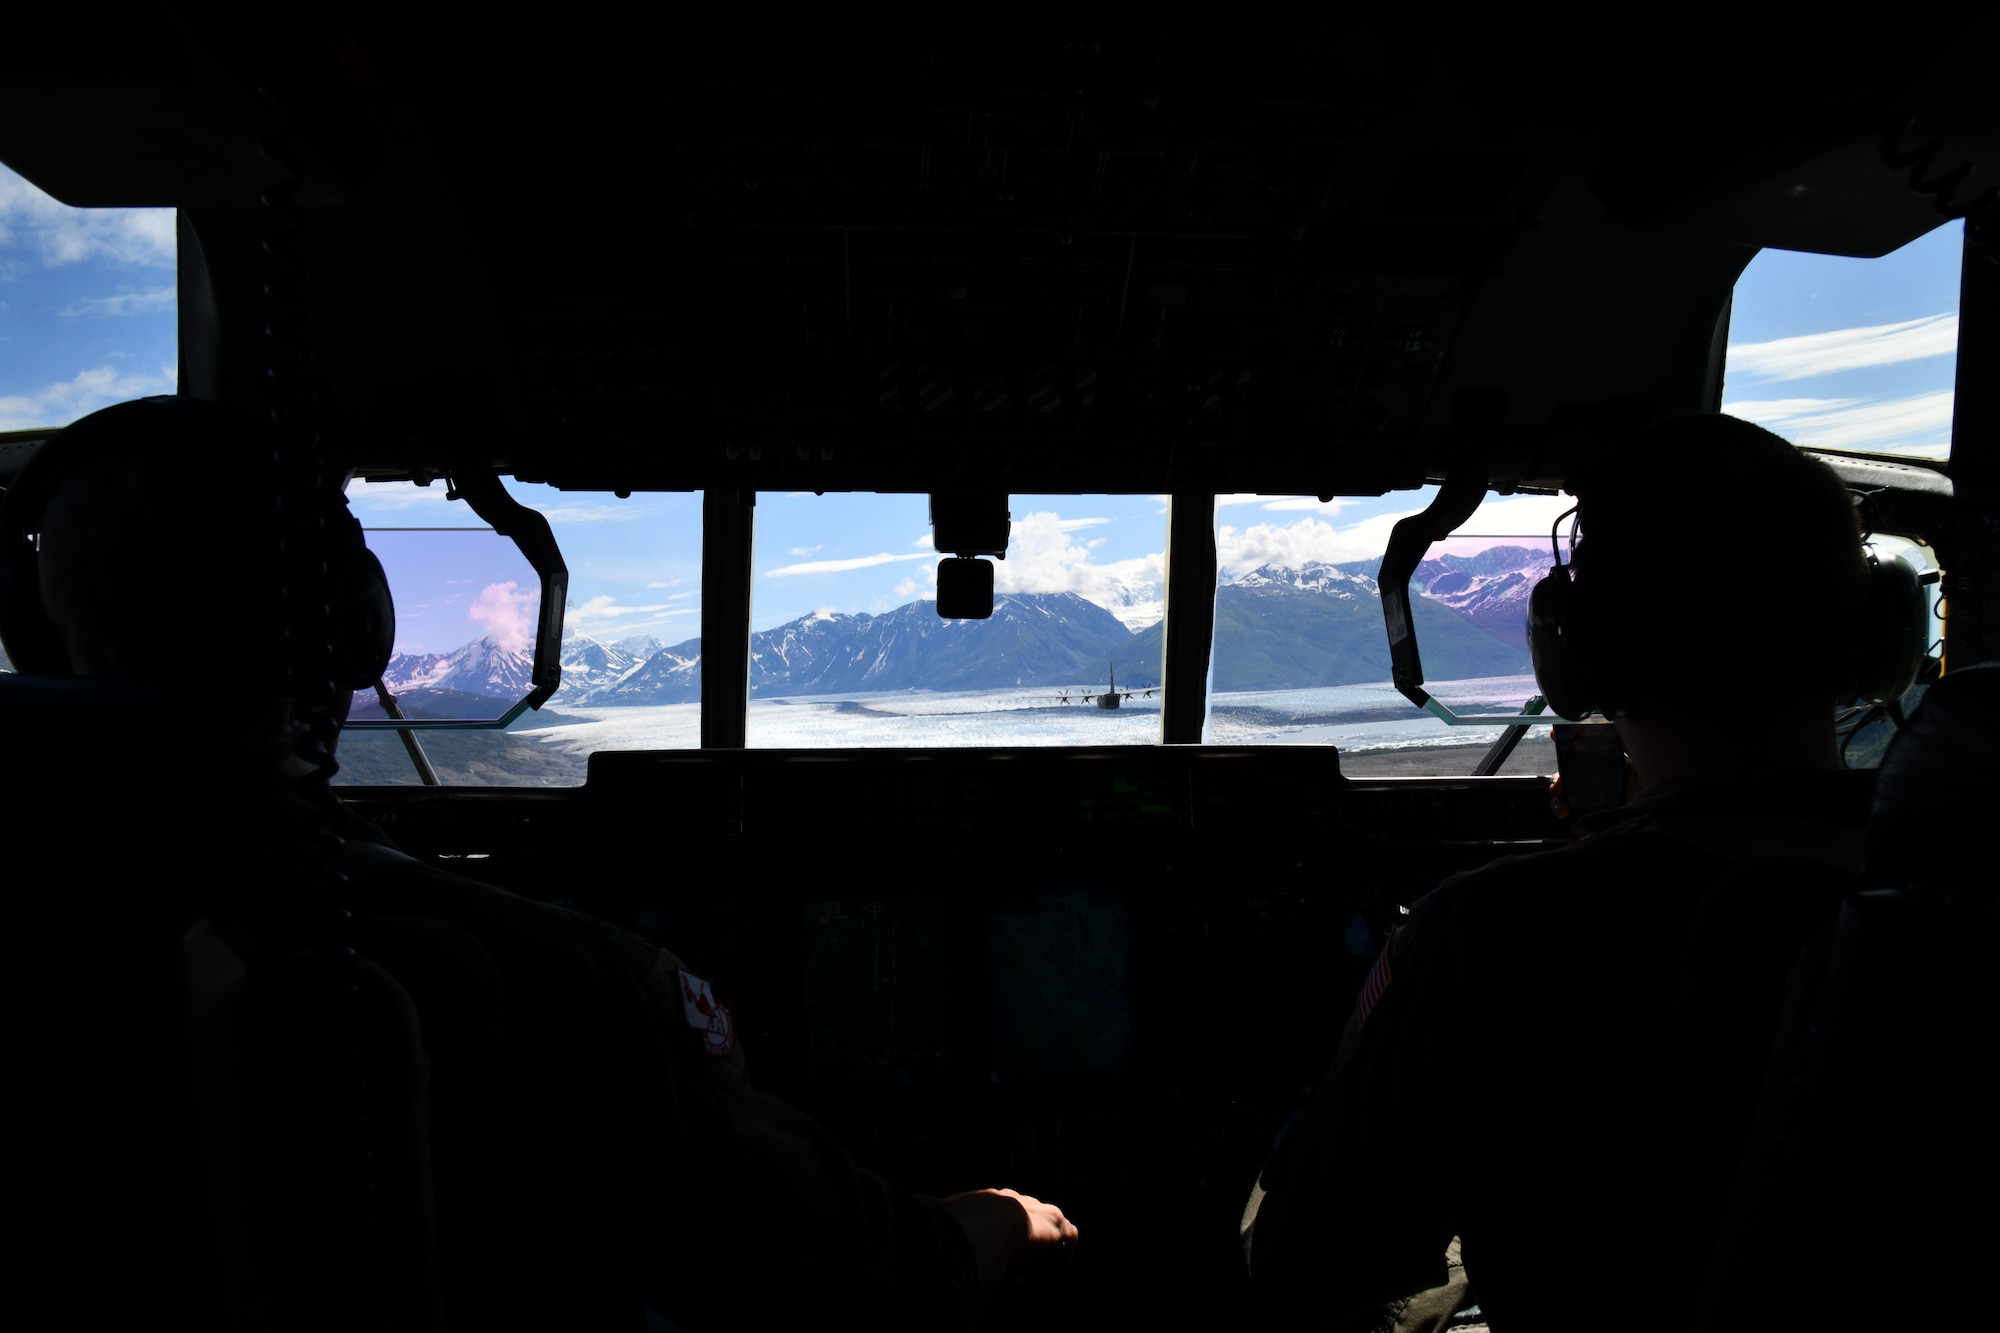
792,1228
1353,1207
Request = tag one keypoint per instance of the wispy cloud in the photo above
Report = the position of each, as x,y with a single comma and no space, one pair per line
607,612
61,403
807,550
123,304
1845,349
665,583
584,511
1918,423
55,234
842,566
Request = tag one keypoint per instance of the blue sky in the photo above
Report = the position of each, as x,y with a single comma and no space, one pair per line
1849,353
87,309
1840,352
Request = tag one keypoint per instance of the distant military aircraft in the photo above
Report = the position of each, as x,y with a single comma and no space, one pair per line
1112,697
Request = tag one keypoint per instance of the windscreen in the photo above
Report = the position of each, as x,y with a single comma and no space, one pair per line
847,648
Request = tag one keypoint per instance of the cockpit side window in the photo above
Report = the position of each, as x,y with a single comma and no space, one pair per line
1301,655
466,606
88,306
1849,354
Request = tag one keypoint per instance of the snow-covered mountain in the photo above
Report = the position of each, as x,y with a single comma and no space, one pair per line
1490,589
1031,639
480,667
1313,576
1276,628
588,664
638,647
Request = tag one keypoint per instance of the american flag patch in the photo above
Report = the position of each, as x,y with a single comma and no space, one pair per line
1379,977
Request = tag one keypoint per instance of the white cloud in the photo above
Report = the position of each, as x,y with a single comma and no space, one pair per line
842,566
1918,423
605,612
807,550
125,303
1040,558
57,234
63,402
925,542
1846,349
1766,411
1293,545
675,596
506,615
1516,516
1515,519
669,583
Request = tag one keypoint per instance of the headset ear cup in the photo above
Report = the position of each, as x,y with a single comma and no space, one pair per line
1552,646
364,617
1889,645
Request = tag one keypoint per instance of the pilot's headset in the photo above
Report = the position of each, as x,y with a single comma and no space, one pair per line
163,438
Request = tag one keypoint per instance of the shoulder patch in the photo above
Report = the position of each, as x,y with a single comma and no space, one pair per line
1372,989
706,1014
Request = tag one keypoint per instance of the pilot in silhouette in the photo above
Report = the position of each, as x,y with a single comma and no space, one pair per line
1530,1066
596,1143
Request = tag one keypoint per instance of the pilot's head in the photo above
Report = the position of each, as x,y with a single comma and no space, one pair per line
143,544
1719,568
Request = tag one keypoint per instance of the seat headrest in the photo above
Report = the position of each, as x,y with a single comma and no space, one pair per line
1936,780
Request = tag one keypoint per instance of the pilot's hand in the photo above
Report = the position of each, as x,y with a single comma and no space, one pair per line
1012,1233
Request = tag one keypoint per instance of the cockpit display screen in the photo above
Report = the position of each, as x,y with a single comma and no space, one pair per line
1060,964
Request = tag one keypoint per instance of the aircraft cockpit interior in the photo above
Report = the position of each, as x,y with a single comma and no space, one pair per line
1005,543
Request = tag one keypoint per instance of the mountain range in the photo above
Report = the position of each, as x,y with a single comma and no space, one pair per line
1490,589
1275,628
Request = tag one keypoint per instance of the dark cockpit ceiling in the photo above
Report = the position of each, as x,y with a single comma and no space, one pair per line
1061,256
